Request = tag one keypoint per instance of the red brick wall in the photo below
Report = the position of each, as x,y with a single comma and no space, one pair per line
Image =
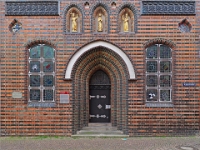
19,119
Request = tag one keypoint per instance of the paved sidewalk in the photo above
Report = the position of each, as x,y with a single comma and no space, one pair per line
133,143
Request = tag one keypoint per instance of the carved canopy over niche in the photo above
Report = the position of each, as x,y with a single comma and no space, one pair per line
126,20
100,21
73,20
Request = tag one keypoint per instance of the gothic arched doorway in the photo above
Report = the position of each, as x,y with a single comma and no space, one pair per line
85,63
99,92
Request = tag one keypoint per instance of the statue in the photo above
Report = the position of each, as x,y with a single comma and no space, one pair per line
74,18
126,21
100,23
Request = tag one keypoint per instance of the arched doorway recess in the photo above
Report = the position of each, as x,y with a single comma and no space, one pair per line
112,64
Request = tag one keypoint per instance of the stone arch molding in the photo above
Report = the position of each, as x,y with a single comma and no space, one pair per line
92,45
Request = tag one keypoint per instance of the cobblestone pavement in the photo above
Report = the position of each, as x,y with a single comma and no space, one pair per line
133,143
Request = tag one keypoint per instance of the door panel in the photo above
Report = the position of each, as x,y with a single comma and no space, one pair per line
100,103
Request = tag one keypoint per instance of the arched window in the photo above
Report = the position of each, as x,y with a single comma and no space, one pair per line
158,73
41,73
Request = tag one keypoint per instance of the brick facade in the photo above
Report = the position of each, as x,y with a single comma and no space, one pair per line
129,111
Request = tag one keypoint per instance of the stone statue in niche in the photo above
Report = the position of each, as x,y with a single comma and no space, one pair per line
100,23
125,19
74,24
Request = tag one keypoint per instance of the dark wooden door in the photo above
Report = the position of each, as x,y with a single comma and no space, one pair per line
99,97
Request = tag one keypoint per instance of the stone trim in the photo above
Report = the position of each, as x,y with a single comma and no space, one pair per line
32,8
88,47
168,7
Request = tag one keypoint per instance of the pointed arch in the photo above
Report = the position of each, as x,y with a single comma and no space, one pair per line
107,15
110,46
80,11
133,10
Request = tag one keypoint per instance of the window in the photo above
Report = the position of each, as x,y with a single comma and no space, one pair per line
41,73
158,73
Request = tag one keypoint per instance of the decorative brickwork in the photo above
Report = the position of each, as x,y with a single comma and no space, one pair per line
123,61
168,7
32,8
159,41
113,65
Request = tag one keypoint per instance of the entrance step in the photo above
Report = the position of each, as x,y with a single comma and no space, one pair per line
100,130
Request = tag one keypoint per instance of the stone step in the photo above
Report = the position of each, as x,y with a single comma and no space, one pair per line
100,130
100,135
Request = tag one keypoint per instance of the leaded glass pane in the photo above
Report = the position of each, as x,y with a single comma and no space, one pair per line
165,81
151,95
48,66
165,66
34,94
152,80
165,95
48,95
165,52
34,80
152,52
48,52
35,52
34,66
151,66
48,80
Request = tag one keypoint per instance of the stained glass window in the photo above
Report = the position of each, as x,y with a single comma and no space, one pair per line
48,80
152,66
165,51
35,80
34,66
48,66
158,73
41,73
34,94
48,95
48,52
152,80
152,95
165,95
165,66
152,52
35,52
165,80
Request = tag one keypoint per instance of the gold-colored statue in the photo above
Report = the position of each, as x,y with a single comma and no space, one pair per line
100,23
74,18
126,22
